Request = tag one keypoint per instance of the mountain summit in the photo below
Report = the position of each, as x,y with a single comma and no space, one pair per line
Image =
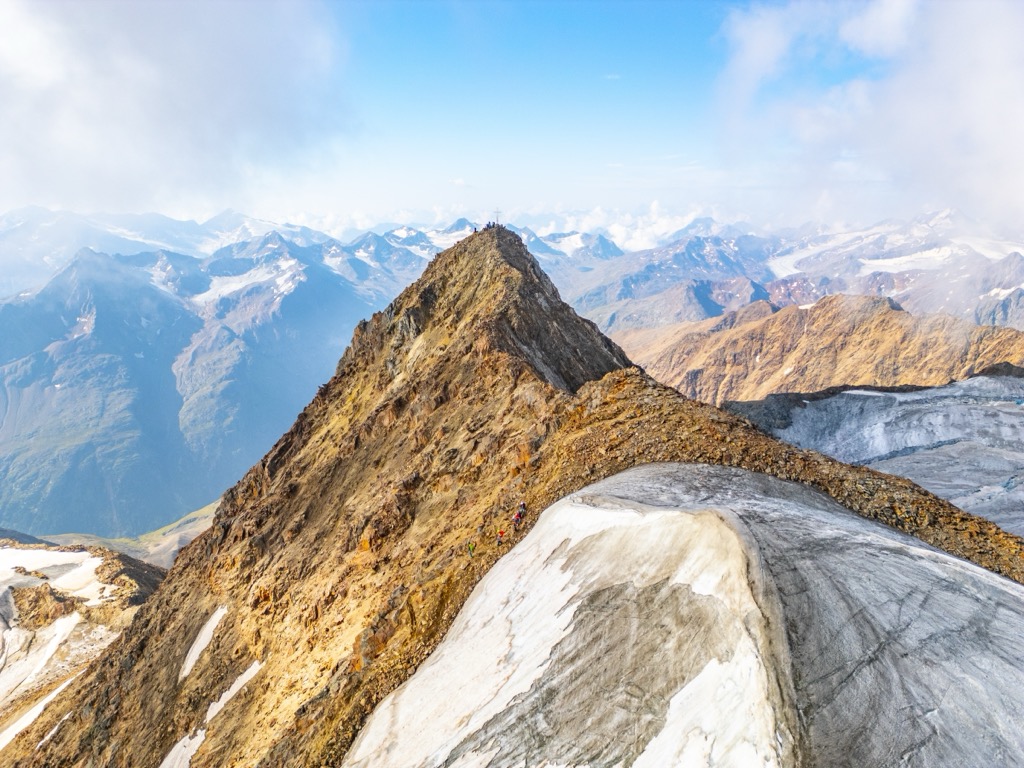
339,562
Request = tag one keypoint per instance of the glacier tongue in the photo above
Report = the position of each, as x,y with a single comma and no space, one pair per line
598,640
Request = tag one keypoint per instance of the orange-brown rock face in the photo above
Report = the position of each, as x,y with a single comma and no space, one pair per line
841,340
342,558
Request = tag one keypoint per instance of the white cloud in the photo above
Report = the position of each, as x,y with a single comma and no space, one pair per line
630,230
924,112
881,28
127,105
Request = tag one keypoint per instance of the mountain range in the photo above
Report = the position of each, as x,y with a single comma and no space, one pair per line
675,566
838,341
135,388
151,369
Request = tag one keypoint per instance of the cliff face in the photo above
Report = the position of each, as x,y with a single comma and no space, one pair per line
840,340
337,564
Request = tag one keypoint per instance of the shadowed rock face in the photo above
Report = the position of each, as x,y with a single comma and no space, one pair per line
840,341
340,559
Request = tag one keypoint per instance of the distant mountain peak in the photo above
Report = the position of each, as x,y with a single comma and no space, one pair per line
459,225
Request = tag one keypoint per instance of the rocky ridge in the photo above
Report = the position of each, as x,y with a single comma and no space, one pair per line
839,341
336,565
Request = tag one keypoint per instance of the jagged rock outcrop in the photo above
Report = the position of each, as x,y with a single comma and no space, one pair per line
337,564
839,341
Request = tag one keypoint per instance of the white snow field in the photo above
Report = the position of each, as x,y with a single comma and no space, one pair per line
689,615
963,441
33,661
182,752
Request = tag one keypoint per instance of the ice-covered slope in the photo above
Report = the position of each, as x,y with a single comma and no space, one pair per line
59,608
963,442
633,626
599,640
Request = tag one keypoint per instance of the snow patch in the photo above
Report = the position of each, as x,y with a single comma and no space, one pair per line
30,659
697,734
30,716
53,731
928,259
182,752
229,694
186,747
202,640
1001,293
82,582
283,274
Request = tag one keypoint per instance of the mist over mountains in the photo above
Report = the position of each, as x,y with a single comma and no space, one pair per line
160,358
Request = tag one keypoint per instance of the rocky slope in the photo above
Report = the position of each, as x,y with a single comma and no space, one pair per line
839,341
338,563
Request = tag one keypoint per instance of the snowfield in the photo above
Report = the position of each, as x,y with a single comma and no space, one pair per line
695,615
31,661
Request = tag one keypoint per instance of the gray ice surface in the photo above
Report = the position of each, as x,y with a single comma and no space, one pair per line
963,442
901,655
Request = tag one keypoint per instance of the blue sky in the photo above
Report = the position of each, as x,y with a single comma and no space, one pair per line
572,113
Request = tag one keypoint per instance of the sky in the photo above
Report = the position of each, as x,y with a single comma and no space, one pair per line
562,114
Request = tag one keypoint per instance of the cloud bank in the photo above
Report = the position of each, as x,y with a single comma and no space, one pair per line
869,110
163,105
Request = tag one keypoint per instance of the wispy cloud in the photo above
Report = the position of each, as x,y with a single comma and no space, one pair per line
114,104
922,109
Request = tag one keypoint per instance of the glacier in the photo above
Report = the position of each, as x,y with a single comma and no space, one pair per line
697,615
963,442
